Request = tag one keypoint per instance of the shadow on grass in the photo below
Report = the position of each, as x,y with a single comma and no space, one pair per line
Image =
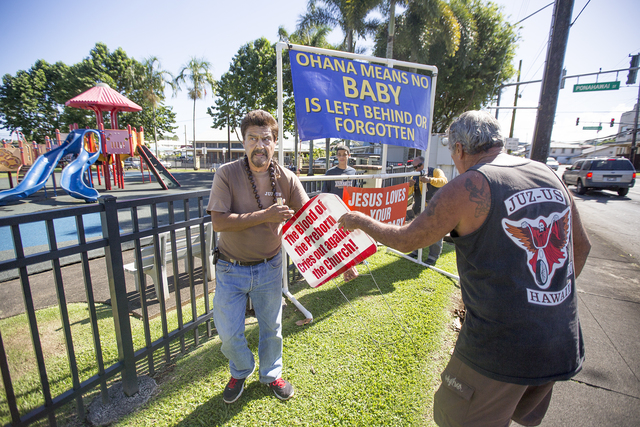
323,303
328,298
216,412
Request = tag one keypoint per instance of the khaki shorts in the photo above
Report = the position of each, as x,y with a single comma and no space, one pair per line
467,398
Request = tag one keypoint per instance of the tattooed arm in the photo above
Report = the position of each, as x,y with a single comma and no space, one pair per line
461,205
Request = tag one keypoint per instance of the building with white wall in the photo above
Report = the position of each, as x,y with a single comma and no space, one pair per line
564,152
625,127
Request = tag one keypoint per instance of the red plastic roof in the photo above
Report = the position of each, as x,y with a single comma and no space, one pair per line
102,98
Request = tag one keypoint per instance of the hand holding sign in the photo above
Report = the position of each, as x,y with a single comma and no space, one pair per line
318,247
278,213
349,220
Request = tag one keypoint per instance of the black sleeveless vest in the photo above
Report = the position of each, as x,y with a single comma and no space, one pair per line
517,279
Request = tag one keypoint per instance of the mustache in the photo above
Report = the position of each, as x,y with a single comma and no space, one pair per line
259,151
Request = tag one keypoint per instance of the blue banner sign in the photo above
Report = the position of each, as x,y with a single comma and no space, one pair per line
341,98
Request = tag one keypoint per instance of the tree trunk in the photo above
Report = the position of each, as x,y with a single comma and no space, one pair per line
392,29
194,134
155,133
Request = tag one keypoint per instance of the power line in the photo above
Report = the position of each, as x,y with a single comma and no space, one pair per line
585,6
539,10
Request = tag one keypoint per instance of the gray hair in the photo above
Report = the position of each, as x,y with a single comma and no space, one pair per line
477,131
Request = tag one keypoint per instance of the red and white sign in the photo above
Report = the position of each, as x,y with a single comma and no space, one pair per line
316,245
388,205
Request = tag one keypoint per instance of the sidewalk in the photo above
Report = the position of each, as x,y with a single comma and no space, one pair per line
607,390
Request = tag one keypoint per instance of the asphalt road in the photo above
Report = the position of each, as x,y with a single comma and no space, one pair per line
612,217
607,390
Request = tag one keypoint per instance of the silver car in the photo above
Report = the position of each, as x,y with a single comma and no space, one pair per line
553,163
615,174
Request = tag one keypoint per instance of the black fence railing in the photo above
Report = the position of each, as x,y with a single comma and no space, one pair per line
180,222
108,242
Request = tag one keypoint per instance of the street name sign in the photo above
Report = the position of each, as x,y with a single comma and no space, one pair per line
592,128
593,87
511,143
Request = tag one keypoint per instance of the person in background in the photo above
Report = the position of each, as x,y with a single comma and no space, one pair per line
343,168
434,179
250,199
336,187
520,246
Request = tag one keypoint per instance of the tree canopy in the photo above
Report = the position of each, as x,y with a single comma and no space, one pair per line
473,55
32,101
351,16
251,80
469,41
250,84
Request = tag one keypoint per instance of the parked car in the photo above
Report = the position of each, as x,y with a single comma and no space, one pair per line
131,163
166,164
553,163
615,174
320,163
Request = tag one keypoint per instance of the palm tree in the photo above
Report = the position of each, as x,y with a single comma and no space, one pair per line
196,75
154,79
349,15
315,36
423,24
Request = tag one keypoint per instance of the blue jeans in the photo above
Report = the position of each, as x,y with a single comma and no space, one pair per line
263,283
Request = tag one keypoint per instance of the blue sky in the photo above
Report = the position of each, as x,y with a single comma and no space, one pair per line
602,37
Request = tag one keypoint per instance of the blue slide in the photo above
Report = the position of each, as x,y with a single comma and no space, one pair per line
74,180
72,175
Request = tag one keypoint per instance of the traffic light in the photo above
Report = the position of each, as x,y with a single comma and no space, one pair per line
577,121
611,125
631,77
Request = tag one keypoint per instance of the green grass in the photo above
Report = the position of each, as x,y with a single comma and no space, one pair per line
355,365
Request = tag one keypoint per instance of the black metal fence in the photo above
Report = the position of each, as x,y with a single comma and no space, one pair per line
129,230
138,224
314,187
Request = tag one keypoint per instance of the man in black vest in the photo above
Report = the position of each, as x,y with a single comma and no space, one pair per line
520,246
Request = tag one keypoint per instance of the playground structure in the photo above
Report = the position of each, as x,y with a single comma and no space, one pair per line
18,153
106,148
73,179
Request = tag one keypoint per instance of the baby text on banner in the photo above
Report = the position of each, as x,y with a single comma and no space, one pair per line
341,98
387,204
316,245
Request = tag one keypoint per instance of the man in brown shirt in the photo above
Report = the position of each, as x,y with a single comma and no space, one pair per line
250,199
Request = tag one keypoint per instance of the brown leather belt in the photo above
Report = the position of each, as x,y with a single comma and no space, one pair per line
243,263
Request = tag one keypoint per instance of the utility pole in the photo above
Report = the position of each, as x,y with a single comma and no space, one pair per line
548,101
634,146
515,102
